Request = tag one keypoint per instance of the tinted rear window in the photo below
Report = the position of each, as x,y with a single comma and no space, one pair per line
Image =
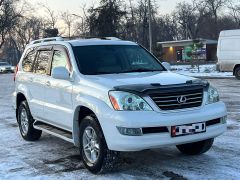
27,63
42,62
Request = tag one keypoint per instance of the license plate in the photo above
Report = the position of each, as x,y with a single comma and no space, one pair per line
188,129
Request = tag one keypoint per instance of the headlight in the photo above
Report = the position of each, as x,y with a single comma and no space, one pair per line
213,95
124,101
12,68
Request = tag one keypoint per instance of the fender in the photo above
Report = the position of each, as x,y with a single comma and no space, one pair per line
23,90
93,104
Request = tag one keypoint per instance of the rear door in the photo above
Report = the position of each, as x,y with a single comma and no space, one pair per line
58,97
38,81
25,81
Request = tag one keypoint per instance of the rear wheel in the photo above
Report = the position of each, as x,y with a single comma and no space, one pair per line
25,121
96,156
196,148
237,73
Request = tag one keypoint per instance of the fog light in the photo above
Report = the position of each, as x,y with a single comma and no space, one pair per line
130,131
224,120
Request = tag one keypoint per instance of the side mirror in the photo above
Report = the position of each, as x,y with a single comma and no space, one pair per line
60,73
166,65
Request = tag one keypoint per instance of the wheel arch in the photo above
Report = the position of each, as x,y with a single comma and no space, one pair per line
20,97
79,113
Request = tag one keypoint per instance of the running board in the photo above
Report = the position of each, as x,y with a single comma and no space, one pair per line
55,131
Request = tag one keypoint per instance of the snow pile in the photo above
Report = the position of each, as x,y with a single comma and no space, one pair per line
208,70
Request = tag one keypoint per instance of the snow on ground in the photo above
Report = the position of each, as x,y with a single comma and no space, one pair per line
208,70
53,158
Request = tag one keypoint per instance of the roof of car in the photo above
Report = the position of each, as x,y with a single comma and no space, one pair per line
81,42
90,42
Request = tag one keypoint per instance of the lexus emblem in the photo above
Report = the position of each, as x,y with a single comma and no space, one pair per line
181,99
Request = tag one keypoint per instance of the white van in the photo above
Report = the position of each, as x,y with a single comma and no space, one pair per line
228,52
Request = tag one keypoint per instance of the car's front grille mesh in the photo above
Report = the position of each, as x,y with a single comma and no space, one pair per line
178,99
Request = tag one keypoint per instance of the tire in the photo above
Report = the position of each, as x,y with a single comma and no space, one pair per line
196,148
237,73
91,136
25,122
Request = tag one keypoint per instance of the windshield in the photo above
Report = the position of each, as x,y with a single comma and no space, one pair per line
110,59
4,64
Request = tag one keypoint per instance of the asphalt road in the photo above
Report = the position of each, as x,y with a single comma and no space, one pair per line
53,158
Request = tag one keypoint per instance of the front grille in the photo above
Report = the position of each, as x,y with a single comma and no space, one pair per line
178,99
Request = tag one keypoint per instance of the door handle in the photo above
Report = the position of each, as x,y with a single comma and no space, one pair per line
31,79
48,83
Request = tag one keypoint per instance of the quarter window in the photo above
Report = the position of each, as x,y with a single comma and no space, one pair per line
41,66
27,63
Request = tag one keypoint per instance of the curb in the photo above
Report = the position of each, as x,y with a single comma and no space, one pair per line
212,77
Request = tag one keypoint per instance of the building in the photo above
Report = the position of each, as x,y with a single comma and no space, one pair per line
188,50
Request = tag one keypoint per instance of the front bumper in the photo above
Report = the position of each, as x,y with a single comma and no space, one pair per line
118,142
6,70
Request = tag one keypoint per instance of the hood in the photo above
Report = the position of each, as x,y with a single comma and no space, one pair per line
112,80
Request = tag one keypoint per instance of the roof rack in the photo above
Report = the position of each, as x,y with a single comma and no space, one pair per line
109,38
47,40
91,37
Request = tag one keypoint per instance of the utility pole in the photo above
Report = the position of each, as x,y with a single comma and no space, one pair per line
186,29
150,25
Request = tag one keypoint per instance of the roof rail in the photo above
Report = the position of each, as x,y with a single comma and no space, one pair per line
47,40
109,38
91,37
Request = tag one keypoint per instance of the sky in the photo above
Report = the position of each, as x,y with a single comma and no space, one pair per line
74,6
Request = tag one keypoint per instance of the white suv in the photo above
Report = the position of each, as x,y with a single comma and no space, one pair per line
108,95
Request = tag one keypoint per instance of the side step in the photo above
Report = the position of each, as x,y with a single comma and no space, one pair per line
55,131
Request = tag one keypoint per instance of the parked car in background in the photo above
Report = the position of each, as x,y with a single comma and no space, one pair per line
5,67
228,52
106,96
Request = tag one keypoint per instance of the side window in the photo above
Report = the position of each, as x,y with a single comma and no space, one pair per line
41,66
60,59
27,63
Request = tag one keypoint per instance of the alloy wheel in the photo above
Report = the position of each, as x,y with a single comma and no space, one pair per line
91,145
24,121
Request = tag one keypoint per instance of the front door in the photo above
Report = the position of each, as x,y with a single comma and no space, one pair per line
58,97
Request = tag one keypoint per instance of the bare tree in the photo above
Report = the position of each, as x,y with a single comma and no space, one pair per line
27,29
214,6
52,17
68,20
235,13
190,17
8,18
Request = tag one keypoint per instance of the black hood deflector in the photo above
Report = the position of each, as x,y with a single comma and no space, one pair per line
144,89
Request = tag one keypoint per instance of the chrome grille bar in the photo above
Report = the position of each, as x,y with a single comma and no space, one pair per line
170,101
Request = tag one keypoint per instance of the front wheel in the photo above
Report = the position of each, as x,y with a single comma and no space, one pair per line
196,148
96,156
237,73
